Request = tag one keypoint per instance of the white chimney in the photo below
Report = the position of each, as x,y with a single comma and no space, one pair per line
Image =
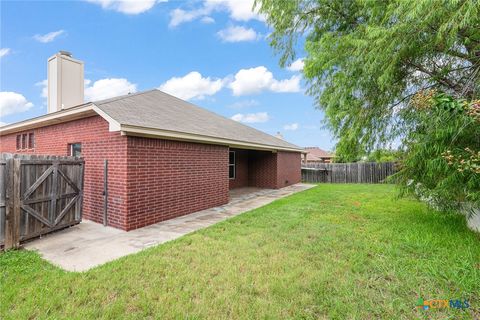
65,81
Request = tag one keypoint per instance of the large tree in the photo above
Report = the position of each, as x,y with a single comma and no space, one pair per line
367,58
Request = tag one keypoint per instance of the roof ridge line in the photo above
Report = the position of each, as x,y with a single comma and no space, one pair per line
100,102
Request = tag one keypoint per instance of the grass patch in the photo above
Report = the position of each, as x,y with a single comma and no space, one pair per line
332,252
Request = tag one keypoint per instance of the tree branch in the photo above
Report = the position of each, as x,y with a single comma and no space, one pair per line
445,81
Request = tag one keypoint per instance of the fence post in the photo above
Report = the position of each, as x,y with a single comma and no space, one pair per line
9,227
16,201
359,173
105,192
12,212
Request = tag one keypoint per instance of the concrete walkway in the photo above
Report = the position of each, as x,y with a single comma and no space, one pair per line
90,244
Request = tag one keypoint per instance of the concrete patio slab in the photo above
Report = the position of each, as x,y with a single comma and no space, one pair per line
90,244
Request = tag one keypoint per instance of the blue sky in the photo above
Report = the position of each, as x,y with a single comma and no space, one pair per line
212,53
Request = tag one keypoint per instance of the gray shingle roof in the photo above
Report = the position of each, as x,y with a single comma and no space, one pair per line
155,109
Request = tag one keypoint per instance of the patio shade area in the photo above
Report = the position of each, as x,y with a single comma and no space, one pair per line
263,169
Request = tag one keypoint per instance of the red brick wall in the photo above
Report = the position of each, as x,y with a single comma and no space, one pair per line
151,180
241,167
167,179
262,171
288,168
97,144
273,170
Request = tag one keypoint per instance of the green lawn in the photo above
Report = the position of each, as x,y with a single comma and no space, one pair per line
332,252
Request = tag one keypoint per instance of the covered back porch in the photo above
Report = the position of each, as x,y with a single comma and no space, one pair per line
252,168
263,169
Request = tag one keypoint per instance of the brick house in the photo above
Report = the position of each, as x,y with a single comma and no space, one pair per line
166,157
314,155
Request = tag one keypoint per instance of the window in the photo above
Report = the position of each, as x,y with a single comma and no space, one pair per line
231,165
19,141
24,141
31,140
76,149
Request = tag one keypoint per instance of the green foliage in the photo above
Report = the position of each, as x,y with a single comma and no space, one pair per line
377,155
365,62
341,157
442,163
384,155
365,59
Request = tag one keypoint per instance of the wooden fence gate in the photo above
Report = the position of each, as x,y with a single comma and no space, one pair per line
38,194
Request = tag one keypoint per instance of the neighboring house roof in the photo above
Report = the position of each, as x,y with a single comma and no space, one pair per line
157,114
317,154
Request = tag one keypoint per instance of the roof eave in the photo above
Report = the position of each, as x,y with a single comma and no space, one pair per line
70,114
183,136
90,109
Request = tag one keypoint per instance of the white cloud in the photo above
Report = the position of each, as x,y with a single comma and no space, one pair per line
256,80
296,65
179,16
126,6
108,88
246,81
3,123
44,85
192,86
291,127
244,104
286,85
207,20
251,117
4,52
49,37
237,34
239,10
12,102
99,90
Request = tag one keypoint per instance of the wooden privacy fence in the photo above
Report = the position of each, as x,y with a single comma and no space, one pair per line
38,194
360,172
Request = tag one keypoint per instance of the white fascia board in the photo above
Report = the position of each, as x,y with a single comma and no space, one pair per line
113,125
49,119
174,135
